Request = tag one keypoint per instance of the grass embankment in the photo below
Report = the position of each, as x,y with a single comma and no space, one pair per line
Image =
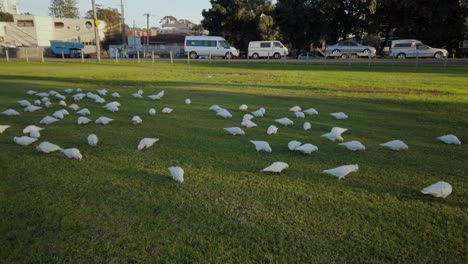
120,205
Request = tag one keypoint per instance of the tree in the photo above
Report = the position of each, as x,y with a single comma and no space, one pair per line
303,22
113,32
64,9
6,17
440,23
168,20
240,21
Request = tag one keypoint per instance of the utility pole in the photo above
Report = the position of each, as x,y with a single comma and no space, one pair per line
122,19
147,29
134,36
96,33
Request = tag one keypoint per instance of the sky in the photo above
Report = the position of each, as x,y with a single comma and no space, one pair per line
134,9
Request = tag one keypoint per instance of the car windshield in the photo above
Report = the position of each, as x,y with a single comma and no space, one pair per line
223,44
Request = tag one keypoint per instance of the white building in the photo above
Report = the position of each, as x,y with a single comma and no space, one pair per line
38,31
9,6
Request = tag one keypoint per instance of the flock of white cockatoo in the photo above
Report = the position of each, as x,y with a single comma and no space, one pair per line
32,132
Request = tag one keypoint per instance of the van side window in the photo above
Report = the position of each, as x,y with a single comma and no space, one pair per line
265,45
277,44
402,45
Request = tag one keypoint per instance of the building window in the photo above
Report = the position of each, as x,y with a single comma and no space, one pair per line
88,25
25,23
59,25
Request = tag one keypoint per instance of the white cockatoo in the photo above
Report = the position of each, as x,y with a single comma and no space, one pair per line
10,112
48,120
235,131
83,120
58,114
3,128
35,134
248,124
311,111
353,145
261,146
285,121
292,145
92,140
24,140
272,130
339,115
24,103
342,171
74,107
276,167
307,148
167,110
299,115
177,174
335,134
31,128
395,145
83,112
136,120
103,120
440,189
152,111
72,153
450,139
32,108
215,108
188,101
224,113
243,107
258,113
147,143
31,92
295,109
115,95
47,147
307,126
247,117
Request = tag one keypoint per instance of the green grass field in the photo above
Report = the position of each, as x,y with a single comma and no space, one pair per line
120,205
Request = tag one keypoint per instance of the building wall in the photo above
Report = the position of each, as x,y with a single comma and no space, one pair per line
40,30
9,6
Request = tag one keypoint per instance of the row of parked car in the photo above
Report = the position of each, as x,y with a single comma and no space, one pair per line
203,46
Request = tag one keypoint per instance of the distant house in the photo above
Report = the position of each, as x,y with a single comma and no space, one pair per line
182,26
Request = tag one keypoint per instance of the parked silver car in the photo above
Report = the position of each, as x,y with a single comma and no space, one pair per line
412,48
348,46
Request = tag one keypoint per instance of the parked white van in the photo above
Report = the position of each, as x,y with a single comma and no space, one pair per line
196,46
412,48
267,48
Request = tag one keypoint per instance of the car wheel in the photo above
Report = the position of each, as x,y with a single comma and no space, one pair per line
438,55
344,56
255,56
228,56
401,56
354,56
193,55
276,56
336,52
367,52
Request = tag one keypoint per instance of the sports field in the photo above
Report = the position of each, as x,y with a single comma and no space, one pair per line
120,205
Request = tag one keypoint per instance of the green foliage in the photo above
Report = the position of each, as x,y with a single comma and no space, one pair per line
241,21
440,23
64,9
6,17
113,33
303,21
119,205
